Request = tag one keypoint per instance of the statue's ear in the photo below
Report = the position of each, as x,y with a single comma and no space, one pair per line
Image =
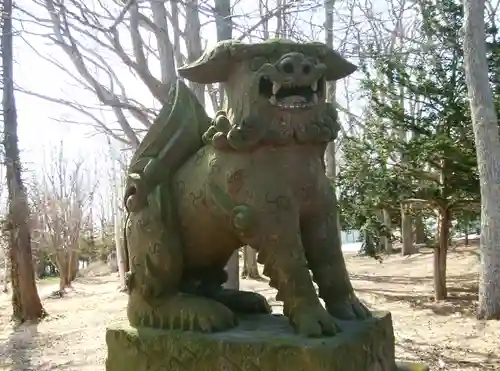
215,65
337,66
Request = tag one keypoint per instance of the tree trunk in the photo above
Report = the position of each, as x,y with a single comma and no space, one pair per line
163,44
440,253
331,92
466,231
233,269
388,225
67,263
250,267
224,28
36,270
192,38
406,233
63,264
329,157
383,239
26,305
6,271
72,266
487,138
120,254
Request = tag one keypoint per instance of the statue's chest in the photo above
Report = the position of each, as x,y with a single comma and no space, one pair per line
298,169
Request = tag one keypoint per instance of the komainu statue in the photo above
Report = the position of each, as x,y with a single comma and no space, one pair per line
200,188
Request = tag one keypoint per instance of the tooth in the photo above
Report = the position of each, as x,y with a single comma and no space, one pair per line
272,100
314,85
315,99
276,87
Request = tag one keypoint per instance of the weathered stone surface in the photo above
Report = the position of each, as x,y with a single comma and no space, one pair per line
258,343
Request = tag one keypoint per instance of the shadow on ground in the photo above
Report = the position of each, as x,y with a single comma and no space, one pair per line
443,357
19,347
462,292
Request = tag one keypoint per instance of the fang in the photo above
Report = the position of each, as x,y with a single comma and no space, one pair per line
276,87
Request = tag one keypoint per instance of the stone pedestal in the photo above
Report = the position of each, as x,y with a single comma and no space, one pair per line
259,343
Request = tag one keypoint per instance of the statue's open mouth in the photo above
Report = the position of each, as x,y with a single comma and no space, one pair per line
290,96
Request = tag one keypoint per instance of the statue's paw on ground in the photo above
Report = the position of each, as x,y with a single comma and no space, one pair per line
183,312
349,309
314,322
243,301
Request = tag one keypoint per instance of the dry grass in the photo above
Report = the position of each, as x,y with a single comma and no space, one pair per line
444,335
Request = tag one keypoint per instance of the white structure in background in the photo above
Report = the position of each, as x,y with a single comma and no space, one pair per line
350,236
350,240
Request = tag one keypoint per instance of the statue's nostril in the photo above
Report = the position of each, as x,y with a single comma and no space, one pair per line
287,67
306,69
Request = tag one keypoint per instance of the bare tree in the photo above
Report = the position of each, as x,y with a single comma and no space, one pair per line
61,197
26,304
117,172
330,153
224,32
4,239
487,137
110,45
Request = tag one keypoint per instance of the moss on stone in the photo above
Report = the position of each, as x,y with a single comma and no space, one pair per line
258,343
218,63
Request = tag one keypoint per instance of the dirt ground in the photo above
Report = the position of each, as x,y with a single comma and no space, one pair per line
446,336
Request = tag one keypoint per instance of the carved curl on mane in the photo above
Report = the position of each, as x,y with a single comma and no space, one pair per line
256,130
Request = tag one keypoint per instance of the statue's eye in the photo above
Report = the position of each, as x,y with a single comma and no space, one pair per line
257,62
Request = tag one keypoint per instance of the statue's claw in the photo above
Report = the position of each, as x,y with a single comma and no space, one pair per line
314,322
349,309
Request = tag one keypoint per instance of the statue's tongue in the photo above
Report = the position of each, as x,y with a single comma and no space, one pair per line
293,99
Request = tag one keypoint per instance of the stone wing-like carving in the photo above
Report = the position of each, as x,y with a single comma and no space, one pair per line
175,135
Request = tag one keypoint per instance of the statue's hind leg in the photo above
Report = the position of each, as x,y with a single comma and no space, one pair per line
156,272
326,261
208,283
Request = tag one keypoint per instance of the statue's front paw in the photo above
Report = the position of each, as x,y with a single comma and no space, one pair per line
350,308
314,322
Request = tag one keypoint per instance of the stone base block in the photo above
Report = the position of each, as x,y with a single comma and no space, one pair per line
258,343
